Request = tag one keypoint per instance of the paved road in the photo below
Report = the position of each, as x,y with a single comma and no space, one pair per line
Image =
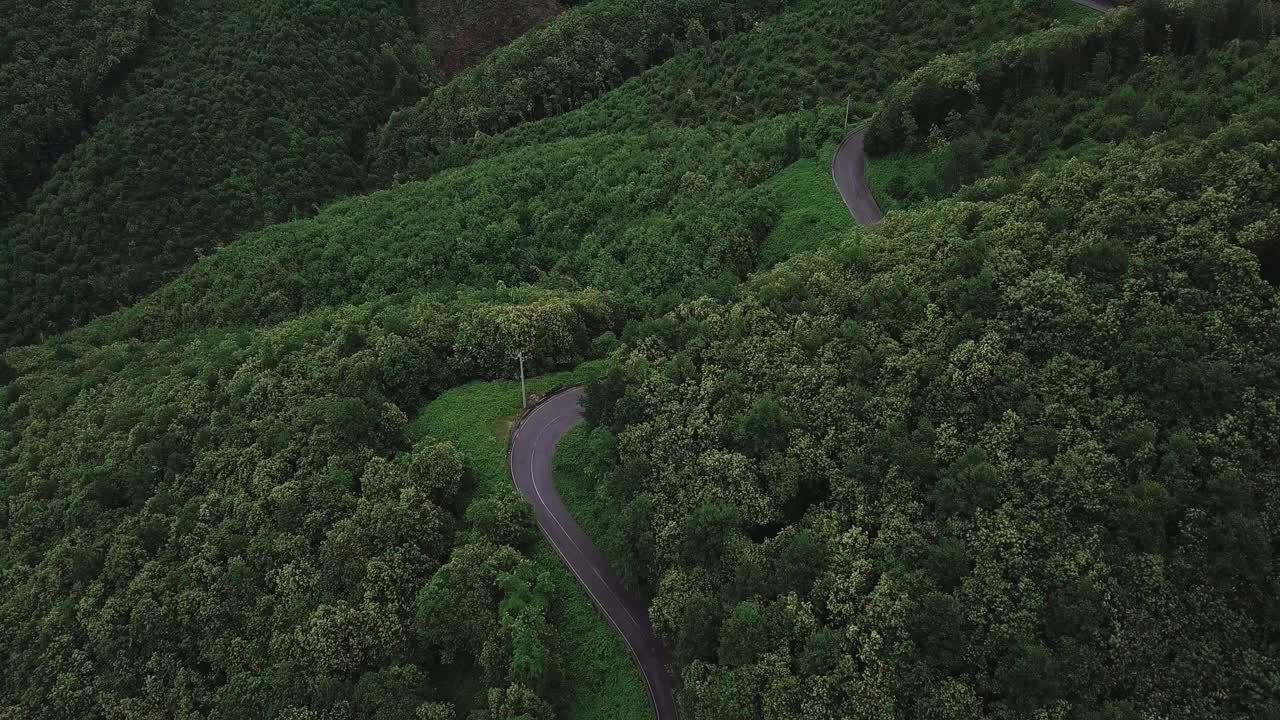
532,446
849,167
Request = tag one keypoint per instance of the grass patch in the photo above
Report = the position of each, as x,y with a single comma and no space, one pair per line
600,680
577,481
477,419
812,211
1072,12
899,180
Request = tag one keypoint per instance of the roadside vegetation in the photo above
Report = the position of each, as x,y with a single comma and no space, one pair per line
581,662
1008,454
1052,400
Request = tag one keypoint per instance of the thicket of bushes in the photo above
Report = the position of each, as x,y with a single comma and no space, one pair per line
852,50
234,523
1059,59
1000,457
654,218
577,57
1164,97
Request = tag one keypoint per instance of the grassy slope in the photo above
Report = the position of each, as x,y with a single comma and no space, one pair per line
600,680
811,209
887,172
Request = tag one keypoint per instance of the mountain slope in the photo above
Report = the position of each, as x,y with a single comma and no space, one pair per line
1001,456
1005,455
242,114
58,65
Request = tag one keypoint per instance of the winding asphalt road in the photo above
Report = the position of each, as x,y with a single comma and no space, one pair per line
532,445
849,166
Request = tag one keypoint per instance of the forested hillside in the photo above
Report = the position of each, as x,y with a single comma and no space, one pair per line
1004,456
461,33
1009,454
849,51
239,114
58,65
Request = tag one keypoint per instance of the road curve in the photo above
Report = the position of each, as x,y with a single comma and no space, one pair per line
532,445
849,169
849,166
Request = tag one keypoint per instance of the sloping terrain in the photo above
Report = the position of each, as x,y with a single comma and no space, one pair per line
59,63
460,34
241,114
1005,455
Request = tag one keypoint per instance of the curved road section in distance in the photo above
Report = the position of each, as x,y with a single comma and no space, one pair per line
532,446
849,166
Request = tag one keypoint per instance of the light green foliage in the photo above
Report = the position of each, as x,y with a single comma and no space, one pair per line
811,211
596,677
653,217
583,474
477,419
894,178
1010,453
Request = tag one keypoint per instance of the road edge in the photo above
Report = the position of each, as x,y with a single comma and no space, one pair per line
866,168
524,415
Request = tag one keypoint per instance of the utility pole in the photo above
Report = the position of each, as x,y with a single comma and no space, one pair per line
847,107
524,396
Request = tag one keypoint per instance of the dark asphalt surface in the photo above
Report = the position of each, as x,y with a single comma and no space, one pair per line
849,168
532,446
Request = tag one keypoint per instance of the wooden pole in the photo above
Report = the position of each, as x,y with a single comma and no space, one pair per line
524,396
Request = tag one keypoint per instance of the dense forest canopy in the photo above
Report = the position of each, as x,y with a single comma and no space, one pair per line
1009,454
58,63
461,34
1004,456
241,114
